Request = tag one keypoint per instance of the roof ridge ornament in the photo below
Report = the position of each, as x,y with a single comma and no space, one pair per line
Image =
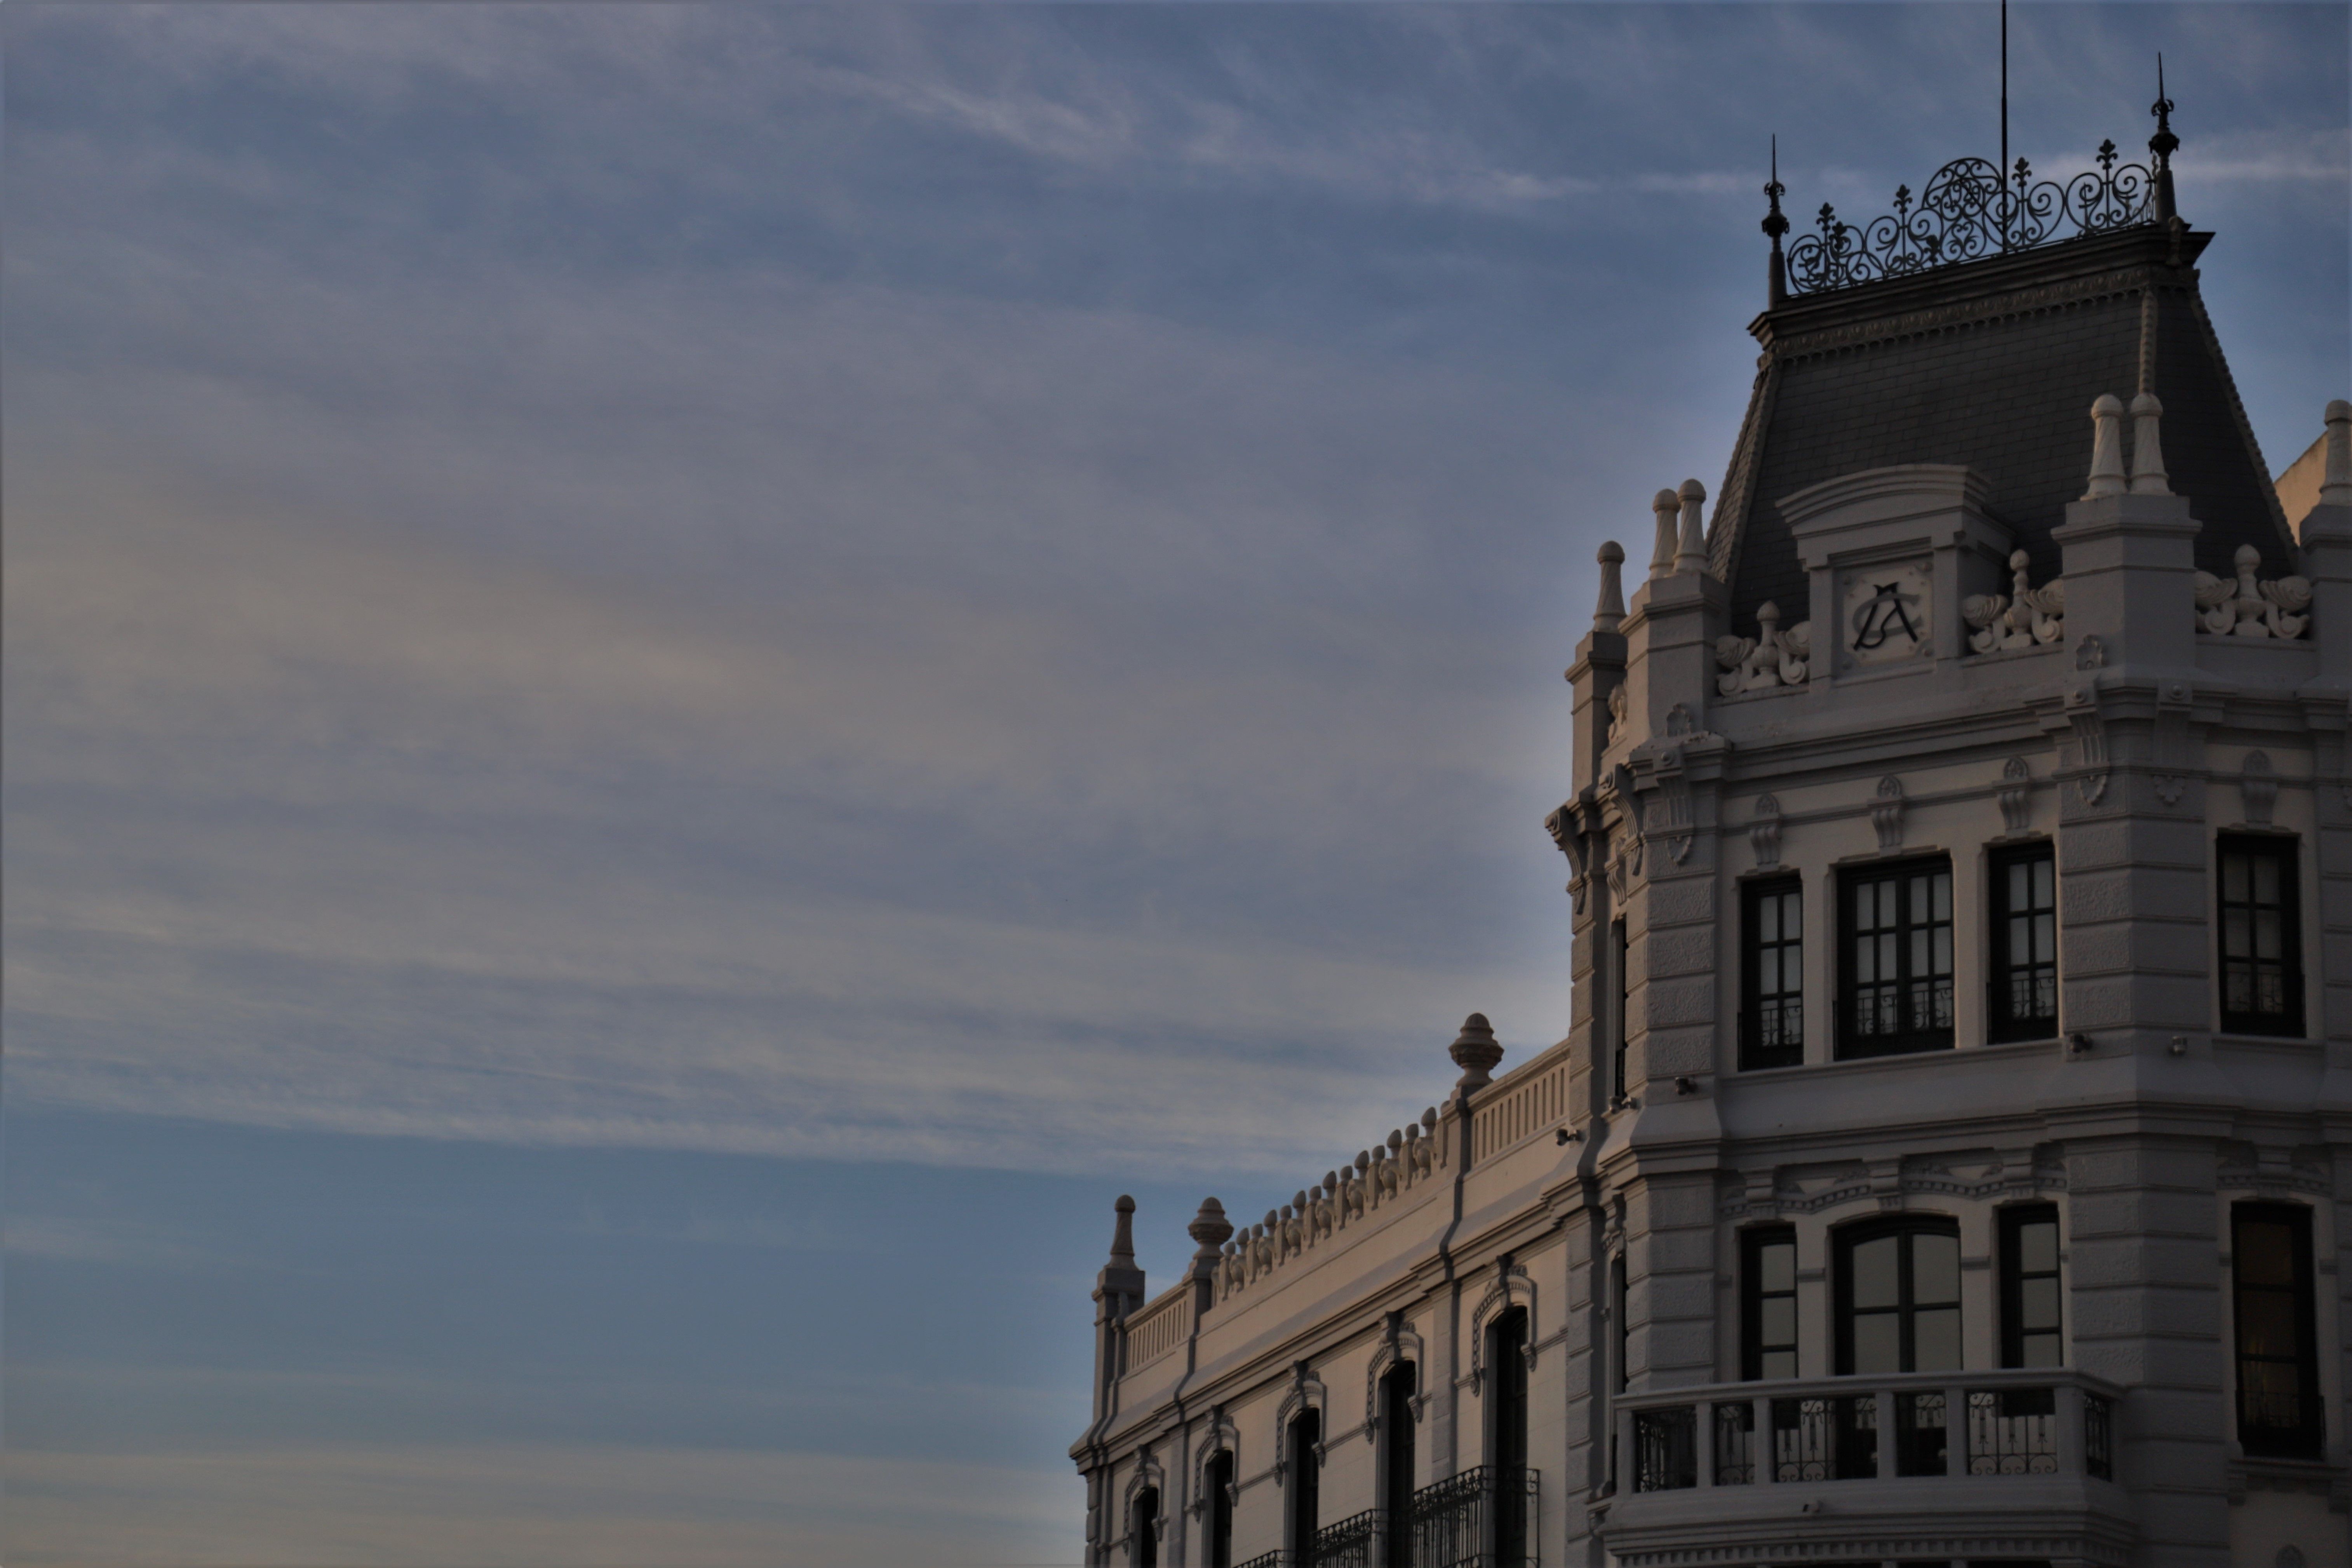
1972,208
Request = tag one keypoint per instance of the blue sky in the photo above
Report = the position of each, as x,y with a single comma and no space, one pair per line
680,679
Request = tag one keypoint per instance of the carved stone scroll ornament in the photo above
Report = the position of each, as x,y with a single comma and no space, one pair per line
2091,753
2249,607
1561,825
2023,617
1887,813
1775,659
2016,797
1764,833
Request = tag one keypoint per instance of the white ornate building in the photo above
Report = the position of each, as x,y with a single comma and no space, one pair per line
1949,1158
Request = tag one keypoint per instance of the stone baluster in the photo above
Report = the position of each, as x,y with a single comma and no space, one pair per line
2106,448
1690,553
1664,504
2148,475
1610,613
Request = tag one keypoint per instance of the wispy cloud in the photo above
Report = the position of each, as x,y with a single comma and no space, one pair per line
373,1506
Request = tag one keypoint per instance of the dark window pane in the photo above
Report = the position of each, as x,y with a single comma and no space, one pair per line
1778,1265
2266,1253
1936,1340
1877,1343
1873,1273
1935,1269
1780,1364
2037,1246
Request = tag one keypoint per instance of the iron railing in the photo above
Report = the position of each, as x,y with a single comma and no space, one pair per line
1351,1542
1483,1518
1956,1425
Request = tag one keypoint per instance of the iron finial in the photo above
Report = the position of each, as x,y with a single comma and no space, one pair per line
2160,146
1775,225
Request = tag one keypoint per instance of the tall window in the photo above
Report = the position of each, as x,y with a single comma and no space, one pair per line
1507,1416
1772,984
2023,991
2030,1332
1305,1483
1768,1303
1396,1459
1898,1296
2278,1350
2261,939
1896,993
1146,1526
1220,1482
1620,951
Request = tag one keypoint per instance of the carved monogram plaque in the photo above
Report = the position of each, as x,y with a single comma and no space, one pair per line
1883,615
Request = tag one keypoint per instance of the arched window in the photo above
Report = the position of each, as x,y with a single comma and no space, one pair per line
1507,1433
1397,1388
1144,1552
1898,1296
1306,1479
1219,1483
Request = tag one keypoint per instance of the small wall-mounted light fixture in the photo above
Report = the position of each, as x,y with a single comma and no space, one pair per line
2179,1047
1685,1086
2078,1044
1569,1135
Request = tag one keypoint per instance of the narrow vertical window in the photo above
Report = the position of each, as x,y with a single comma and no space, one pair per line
2278,1351
1620,953
2031,1331
1768,1303
1397,1460
1898,1297
1220,1482
1305,1483
1507,1418
2261,938
1772,965
1895,985
1146,1526
2023,988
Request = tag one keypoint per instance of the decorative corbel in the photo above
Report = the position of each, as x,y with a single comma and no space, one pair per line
1887,813
1764,833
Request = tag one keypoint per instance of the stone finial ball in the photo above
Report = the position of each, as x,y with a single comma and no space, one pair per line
1124,1205
1474,1050
2339,409
1664,501
1692,490
1209,1227
2108,406
1611,553
2146,402
1428,1119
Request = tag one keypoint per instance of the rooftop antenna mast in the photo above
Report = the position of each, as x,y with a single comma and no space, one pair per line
2002,195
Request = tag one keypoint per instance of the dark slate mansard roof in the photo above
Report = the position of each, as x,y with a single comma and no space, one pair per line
1993,363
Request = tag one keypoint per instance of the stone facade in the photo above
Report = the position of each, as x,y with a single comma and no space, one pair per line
1574,1258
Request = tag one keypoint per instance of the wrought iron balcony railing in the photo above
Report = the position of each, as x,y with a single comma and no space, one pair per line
1484,1517
1960,1425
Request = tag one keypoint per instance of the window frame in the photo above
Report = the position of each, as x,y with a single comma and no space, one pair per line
2014,1219
2309,1439
1752,1294
1850,1042
1754,1055
1842,1241
1143,1529
2283,849
1398,1386
2002,1027
1303,1501
1621,946
1217,1481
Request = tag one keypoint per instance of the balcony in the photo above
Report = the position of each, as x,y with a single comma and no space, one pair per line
1484,1517
1984,1462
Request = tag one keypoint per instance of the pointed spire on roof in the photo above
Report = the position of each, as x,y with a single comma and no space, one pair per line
2160,146
1776,224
